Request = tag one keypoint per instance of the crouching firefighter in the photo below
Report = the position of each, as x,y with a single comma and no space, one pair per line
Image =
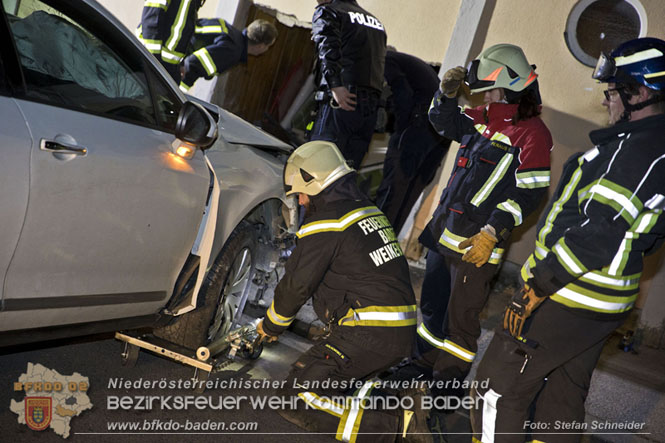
348,261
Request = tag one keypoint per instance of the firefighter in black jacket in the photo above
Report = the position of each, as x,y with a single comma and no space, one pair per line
166,28
349,262
351,46
415,149
217,46
583,276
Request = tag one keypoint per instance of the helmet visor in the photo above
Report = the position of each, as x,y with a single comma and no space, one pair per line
472,77
606,68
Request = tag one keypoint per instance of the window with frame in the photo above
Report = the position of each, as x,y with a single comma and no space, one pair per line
596,26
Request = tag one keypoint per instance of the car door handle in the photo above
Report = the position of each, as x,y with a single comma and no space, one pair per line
64,148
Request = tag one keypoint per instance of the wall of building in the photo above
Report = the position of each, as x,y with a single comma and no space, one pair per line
421,28
435,18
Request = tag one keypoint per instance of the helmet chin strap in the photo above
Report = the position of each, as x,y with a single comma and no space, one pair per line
627,107
630,107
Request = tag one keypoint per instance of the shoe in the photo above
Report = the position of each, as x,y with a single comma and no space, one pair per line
415,427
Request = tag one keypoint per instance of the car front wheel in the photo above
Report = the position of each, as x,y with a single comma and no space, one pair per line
226,289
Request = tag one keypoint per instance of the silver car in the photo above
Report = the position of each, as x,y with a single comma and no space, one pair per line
113,215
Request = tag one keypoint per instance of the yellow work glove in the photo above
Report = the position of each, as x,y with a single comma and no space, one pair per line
263,335
481,245
452,80
519,309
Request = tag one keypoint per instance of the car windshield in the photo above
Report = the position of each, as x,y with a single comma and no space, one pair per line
66,52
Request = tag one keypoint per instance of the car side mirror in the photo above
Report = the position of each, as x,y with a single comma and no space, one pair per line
195,125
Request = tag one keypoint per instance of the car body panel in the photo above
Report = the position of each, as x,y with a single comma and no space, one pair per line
119,220
104,235
203,243
14,180
247,177
239,131
249,164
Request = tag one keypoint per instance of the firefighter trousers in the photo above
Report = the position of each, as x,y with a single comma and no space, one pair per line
450,347
537,391
334,393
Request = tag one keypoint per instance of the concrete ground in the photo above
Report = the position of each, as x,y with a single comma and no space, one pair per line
626,387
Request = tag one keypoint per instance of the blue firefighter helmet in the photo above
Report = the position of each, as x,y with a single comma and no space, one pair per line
640,61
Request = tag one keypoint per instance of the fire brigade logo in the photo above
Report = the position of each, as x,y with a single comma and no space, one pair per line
51,399
38,412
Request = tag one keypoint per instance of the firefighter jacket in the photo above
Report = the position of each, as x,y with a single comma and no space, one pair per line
351,45
215,47
501,172
167,26
606,214
348,260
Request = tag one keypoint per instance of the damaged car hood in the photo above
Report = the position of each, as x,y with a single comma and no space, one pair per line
237,131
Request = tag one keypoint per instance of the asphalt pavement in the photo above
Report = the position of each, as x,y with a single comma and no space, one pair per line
100,362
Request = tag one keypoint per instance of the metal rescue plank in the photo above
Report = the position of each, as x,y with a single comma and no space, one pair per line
173,355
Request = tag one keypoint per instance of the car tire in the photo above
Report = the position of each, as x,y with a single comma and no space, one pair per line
230,276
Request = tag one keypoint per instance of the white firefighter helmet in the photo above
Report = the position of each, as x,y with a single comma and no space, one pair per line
313,167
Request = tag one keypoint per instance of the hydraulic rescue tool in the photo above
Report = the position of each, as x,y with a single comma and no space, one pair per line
243,342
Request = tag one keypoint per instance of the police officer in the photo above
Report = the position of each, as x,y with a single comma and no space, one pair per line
166,28
501,173
583,276
351,46
348,261
217,46
415,149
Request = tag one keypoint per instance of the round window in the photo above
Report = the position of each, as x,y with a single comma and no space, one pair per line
596,26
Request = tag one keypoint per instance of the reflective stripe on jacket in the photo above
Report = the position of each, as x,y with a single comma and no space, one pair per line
349,262
501,172
167,26
605,215
215,47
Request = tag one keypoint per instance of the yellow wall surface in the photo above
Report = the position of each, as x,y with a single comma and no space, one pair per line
422,28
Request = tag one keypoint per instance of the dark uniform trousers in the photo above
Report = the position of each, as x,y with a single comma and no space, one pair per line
554,370
351,131
450,328
347,360
414,154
